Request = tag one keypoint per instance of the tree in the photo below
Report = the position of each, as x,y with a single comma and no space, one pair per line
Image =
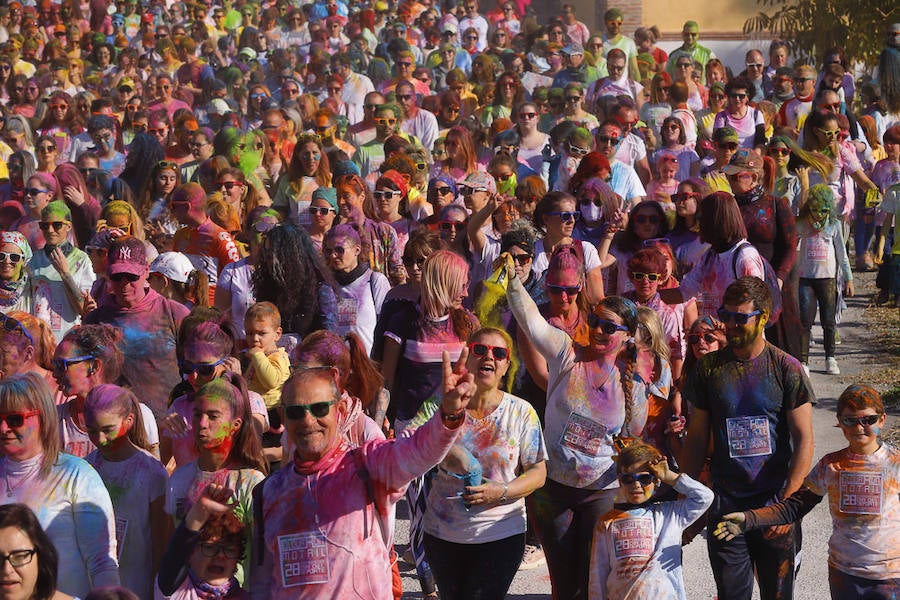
810,27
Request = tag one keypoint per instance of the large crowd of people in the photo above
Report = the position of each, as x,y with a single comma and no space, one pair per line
268,269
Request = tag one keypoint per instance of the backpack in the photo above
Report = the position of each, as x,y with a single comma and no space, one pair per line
771,280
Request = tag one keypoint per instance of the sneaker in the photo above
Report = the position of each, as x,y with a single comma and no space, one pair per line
832,366
806,369
534,557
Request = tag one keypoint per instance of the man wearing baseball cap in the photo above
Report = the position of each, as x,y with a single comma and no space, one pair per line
149,324
725,142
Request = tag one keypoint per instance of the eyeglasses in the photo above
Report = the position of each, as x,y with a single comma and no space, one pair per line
779,151
729,146
13,257
644,479
213,550
10,324
498,352
380,195
297,412
409,261
454,225
865,421
56,225
645,219
608,140
739,318
63,364
570,290
830,134
606,326
320,210
579,152
35,191
694,338
14,421
566,215
684,196
651,277
124,278
229,185
186,367
737,95
385,121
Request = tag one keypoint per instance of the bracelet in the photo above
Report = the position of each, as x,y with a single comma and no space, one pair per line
453,417
503,498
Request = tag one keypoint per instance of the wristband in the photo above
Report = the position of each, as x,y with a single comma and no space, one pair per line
453,417
503,498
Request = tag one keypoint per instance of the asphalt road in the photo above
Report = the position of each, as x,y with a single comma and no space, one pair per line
854,354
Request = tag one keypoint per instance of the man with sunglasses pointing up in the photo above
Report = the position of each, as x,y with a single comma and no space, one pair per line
323,521
755,403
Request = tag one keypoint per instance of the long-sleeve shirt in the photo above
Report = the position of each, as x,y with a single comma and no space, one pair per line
323,532
266,374
74,508
585,402
637,551
772,231
864,499
822,252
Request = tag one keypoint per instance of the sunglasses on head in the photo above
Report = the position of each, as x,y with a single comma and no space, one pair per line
651,277
739,318
865,421
498,352
454,225
10,324
694,338
605,325
13,257
57,225
16,420
297,412
63,364
566,216
644,479
186,367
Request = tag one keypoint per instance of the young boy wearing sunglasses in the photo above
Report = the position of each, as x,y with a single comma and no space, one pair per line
862,483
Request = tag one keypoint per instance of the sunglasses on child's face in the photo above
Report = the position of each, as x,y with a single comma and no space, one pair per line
213,550
865,421
202,369
606,326
498,352
644,479
694,338
297,412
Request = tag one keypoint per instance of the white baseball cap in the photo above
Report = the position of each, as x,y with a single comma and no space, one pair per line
174,265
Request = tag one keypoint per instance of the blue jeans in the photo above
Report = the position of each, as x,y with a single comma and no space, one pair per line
848,587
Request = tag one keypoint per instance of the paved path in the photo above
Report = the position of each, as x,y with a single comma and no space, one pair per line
854,354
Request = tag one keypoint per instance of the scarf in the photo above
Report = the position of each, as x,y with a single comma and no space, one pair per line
750,197
211,592
11,291
308,467
346,278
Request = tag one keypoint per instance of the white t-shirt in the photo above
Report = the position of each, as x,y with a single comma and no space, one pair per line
542,259
133,484
745,126
236,278
77,443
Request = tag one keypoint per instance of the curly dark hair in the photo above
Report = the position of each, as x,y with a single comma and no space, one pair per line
104,343
289,273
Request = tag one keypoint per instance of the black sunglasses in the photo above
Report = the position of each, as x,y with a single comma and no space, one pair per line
297,412
694,338
10,324
865,421
498,352
57,225
644,479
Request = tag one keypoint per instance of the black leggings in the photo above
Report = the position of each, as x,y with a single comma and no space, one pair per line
474,571
821,292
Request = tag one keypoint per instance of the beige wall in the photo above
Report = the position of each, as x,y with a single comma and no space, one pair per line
721,17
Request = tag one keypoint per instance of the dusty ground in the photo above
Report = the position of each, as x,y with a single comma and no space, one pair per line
870,353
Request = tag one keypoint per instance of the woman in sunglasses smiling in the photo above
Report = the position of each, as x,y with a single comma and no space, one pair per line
472,524
589,402
62,490
646,222
16,292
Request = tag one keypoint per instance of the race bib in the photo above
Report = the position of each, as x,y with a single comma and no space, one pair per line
632,537
121,530
816,249
583,435
303,559
861,492
748,436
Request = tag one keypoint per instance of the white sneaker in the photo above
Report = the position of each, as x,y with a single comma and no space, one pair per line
806,369
832,368
534,557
